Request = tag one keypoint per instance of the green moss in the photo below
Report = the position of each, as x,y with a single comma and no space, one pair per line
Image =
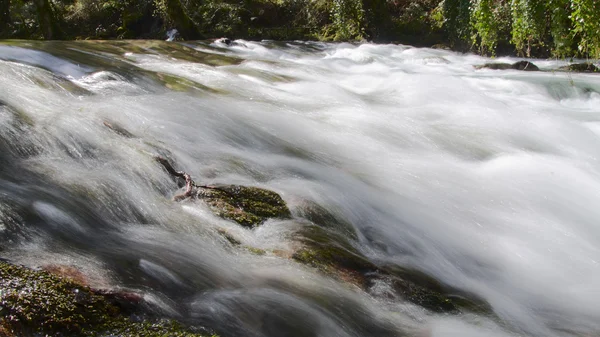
325,217
37,302
185,53
248,206
256,251
420,289
177,83
229,237
328,250
334,255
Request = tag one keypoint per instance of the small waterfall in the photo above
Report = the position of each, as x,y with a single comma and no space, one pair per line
487,181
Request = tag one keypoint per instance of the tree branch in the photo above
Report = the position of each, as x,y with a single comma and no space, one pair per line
189,183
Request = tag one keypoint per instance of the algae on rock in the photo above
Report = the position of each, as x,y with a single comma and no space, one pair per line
248,206
39,303
334,255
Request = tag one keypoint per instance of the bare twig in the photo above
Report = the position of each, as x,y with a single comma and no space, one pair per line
189,183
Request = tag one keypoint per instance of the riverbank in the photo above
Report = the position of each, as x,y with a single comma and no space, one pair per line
562,29
325,20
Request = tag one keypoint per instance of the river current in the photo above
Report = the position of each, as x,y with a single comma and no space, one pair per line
487,180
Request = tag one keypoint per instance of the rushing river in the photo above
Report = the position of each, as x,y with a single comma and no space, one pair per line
487,180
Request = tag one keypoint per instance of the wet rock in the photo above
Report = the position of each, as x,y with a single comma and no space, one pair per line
435,60
581,68
255,251
36,302
521,65
14,123
334,255
118,129
182,84
230,238
324,217
330,252
402,288
441,46
248,206
224,40
495,66
525,65
68,273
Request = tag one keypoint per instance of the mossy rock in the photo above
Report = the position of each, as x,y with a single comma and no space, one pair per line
581,68
422,289
334,255
230,238
525,66
39,303
325,217
329,251
248,206
520,65
182,84
432,299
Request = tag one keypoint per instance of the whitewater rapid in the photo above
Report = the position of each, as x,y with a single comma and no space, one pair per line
487,180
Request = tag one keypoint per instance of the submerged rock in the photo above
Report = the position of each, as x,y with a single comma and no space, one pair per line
521,65
581,68
39,303
334,255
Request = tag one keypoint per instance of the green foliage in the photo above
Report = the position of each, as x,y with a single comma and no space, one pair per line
348,19
457,14
529,23
105,19
561,28
485,26
223,18
586,26
437,16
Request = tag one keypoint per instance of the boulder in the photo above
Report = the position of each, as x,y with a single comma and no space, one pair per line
525,65
248,206
38,303
581,68
521,65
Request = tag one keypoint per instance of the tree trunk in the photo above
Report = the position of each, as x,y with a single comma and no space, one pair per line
47,20
182,21
4,17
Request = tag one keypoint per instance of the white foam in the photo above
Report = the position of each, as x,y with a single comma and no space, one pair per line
488,180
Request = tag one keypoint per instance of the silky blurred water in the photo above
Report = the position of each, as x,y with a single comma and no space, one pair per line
487,180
